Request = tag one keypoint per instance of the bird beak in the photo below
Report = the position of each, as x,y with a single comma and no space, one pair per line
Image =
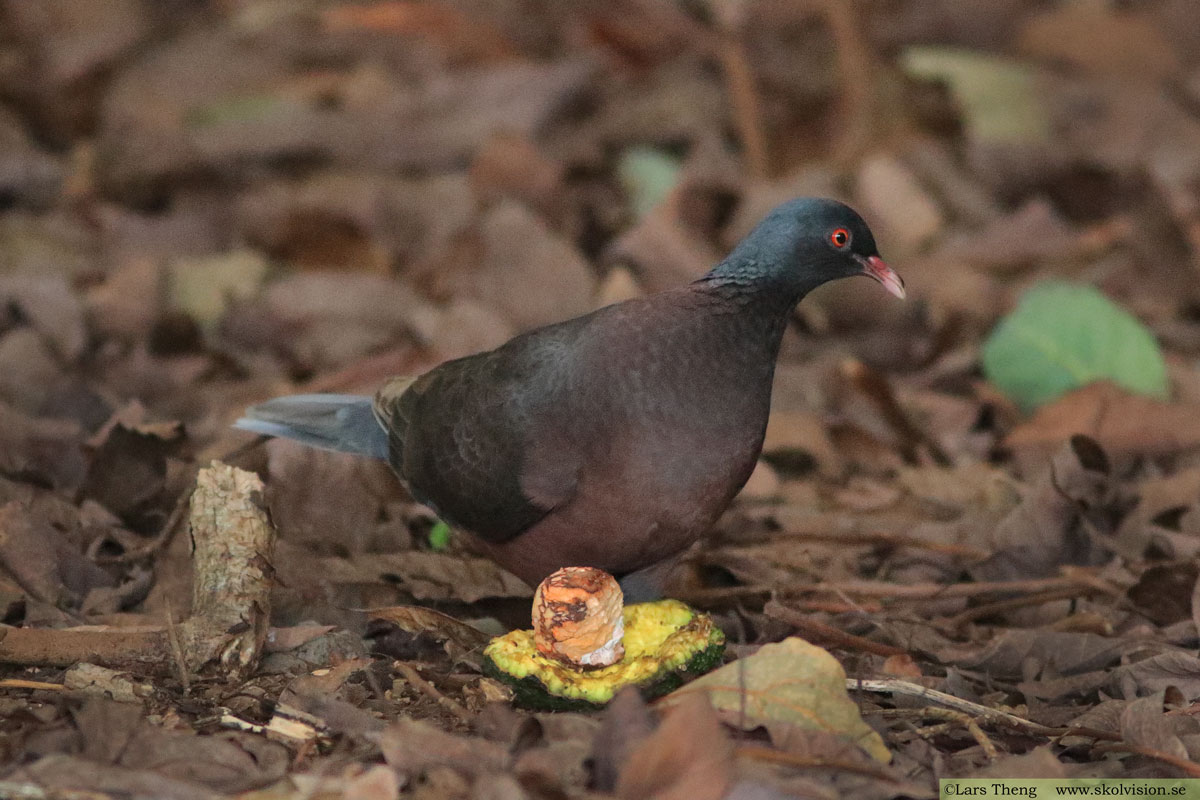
874,267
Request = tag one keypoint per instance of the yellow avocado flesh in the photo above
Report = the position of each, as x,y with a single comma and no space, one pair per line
660,637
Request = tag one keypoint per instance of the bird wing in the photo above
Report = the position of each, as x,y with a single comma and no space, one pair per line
475,438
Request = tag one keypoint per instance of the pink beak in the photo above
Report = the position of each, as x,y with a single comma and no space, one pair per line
875,267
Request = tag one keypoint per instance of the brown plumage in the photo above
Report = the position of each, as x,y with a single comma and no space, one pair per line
610,440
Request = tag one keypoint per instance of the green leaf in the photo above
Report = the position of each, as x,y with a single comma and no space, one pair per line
238,110
439,536
787,684
1063,336
202,286
1001,100
647,175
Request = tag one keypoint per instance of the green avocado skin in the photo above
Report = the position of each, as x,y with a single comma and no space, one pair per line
530,693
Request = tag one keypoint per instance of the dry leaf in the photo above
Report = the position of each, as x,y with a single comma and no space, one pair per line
1123,424
412,747
790,682
687,758
627,723
418,619
281,640
1158,673
1064,519
1144,723
528,272
1103,41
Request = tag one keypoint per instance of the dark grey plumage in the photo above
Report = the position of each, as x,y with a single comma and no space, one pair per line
344,423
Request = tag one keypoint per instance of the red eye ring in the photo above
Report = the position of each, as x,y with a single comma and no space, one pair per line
839,238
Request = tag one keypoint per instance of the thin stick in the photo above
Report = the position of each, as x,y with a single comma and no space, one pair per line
955,717
181,669
412,676
876,388
855,67
885,538
164,536
18,683
770,756
811,629
914,592
747,109
1189,767
941,698
1000,606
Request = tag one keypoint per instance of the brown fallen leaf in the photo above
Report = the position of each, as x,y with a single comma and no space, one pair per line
318,694
427,575
70,774
1065,518
1040,762
42,560
1164,591
27,171
528,272
1144,723
418,619
512,166
661,250
1123,423
1031,234
688,757
1167,517
41,449
51,308
374,783
618,285
129,301
30,374
627,722
412,747
127,474
336,318
280,640
763,486
901,210
797,437
1196,604
324,501
1103,41
1158,673
466,37
221,103
1014,653
118,734
902,666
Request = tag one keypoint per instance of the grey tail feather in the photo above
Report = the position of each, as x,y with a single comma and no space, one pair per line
344,423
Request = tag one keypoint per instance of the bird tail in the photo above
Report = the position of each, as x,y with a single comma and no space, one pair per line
344,423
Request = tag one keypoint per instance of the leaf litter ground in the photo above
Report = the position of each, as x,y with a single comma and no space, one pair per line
204,206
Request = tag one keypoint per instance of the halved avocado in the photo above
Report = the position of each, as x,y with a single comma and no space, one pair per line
665,643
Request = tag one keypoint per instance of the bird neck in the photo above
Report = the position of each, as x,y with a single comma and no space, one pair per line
744,320
753,269
757,292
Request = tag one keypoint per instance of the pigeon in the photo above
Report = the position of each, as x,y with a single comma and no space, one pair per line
611,440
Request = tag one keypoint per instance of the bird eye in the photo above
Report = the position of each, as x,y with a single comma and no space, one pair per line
840,238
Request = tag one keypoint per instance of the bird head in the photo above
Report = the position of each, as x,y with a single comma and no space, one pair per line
806,242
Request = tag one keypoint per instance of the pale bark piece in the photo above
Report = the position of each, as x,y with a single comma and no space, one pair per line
232,539
233,544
